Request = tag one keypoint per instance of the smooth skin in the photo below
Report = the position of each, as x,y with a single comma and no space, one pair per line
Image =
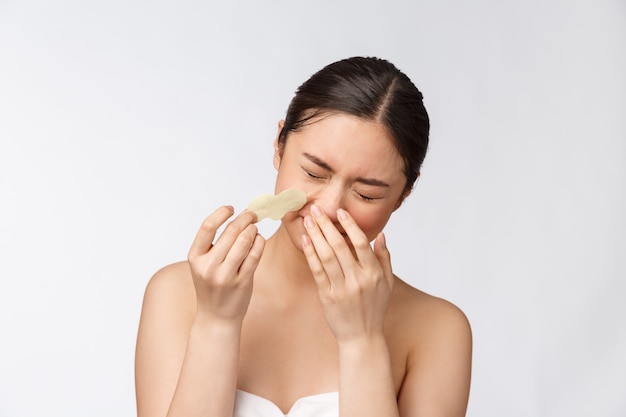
314,309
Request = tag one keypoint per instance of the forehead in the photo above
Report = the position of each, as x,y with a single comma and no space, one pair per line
347,142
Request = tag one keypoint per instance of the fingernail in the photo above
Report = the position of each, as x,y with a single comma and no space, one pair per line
308,222
383,241
254,216
316,210
341,214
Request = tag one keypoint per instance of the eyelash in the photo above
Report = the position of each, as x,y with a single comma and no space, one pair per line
361,196
366,198
315,177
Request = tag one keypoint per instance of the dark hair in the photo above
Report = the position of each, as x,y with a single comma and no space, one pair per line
372,89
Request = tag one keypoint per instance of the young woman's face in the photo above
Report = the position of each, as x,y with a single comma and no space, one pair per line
341,161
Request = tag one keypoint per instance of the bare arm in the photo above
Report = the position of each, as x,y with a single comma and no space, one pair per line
162,339
178,353
437,381
365,379
187,356
355,285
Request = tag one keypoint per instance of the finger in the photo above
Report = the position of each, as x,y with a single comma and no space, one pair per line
204,238
384,257
335,238
359,240
232,231
315,265
251,261
240,249
323,250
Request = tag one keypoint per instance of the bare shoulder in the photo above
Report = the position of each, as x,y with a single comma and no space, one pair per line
171,283
425,315
435,338
166,316
169,303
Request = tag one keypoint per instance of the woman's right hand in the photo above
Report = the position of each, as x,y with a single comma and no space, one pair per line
222,271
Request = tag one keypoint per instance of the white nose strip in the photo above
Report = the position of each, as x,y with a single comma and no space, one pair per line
276,206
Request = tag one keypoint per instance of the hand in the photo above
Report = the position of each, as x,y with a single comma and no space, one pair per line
222,271
354,283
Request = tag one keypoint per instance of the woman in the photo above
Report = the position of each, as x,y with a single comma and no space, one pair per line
326,329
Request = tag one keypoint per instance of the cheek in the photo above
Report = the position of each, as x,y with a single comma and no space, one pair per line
371,221
285,179
292,223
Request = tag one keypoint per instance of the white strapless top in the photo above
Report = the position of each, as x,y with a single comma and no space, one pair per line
319,405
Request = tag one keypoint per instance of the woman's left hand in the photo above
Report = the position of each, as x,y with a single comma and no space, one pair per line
354,283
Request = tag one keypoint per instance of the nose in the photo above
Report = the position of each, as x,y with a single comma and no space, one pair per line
329,199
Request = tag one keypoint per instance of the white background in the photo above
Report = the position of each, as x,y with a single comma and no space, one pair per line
124,123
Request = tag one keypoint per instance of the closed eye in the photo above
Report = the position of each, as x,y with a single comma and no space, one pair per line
314,176
366,198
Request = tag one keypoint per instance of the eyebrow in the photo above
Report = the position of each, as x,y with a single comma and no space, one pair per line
323,164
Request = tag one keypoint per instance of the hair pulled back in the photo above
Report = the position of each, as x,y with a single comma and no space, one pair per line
372,89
